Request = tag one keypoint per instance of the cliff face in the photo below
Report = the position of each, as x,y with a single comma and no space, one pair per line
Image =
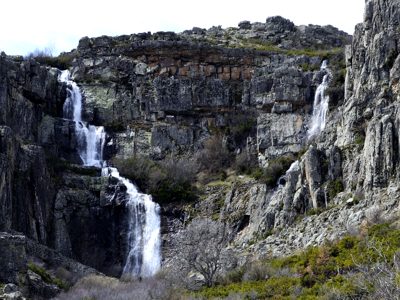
170,89
359,147
164,95
28,91
42,194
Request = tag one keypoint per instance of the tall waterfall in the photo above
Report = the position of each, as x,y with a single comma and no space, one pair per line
321,102
144,255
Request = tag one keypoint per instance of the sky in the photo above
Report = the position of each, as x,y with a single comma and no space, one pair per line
26,25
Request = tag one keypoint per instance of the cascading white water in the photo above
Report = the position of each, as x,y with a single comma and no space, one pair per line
321,103
144,256
90,139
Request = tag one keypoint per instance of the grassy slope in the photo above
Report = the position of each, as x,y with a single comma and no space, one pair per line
317,272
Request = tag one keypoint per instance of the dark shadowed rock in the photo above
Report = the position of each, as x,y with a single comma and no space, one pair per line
13,259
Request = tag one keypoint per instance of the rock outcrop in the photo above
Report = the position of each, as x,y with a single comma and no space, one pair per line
13,259
42,194
162,94
357,153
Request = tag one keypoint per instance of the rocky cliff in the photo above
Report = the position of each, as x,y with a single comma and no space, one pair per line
165,91
359,149
164,96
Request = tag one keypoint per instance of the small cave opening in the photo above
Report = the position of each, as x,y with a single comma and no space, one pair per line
243,223
282,181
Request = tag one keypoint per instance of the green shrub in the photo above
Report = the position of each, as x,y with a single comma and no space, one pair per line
46,277
138,169
359,139
276,287
257,271
257,173
276,168
61,62
314,211
324,54
168,181
334,187
234,276
41,272
306,67
341,287
241,127
326,272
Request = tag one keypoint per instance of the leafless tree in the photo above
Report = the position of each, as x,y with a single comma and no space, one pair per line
380,279
215,156
201,248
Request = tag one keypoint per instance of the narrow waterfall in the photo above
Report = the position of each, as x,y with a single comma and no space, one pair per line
144,255
144,258
90,139
320,106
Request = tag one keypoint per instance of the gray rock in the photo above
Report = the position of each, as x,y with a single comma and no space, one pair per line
244,25
12,296
314,176
279,134
141,69
38,287
10,288
13,259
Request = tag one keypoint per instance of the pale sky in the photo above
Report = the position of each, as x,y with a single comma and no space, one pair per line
26,25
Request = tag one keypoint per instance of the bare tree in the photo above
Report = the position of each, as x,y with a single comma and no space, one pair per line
380,278
201,248
215,156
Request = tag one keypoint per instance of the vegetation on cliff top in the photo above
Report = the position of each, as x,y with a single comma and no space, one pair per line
45,57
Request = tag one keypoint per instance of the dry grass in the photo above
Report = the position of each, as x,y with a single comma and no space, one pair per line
101,287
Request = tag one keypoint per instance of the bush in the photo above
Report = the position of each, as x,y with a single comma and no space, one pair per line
334,187
45,56
173,181
270,176
245,165
138,169
215,156
41,272
276,168
257,271
363,267
241,127
46,277
306,67
169,181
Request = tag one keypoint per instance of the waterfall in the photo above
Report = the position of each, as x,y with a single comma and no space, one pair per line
144,255
321,102
144,258
90,139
